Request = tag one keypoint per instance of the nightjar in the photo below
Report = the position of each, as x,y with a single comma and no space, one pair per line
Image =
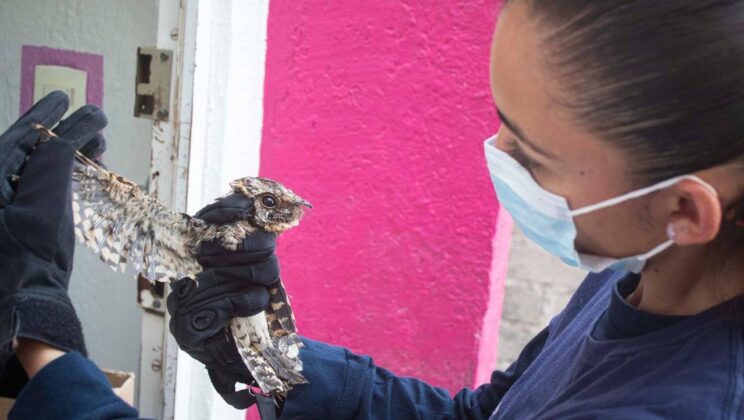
125,226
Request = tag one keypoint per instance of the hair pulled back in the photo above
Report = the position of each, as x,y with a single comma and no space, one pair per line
662,80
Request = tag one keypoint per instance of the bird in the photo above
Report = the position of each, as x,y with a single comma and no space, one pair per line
125,226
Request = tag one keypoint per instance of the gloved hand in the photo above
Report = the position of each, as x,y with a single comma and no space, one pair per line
233,284
81,129
36,232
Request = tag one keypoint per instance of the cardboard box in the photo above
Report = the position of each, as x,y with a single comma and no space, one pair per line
121,382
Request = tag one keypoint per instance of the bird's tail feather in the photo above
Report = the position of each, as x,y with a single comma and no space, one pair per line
286,364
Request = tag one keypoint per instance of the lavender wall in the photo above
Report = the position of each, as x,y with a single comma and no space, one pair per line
376,112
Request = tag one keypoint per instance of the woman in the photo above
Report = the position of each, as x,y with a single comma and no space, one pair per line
621,151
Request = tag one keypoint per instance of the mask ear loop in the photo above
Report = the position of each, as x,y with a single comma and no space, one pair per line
640,193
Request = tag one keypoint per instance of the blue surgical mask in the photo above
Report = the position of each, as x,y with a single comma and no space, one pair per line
546,219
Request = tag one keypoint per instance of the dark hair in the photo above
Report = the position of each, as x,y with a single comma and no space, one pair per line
662,80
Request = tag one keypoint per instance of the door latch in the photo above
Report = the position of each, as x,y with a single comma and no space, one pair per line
153,83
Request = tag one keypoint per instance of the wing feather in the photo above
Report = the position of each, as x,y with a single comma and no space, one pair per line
284,331
125,226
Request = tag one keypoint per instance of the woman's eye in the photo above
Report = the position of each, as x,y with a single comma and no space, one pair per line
524,160
268,201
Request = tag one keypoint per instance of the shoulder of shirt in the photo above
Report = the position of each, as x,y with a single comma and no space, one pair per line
595,286
699,373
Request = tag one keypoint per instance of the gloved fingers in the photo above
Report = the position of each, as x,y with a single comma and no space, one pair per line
191,299
172,301
258,242
215,291
223,354
223,382
193,323
82,127
176,332
250,304
226,209
46,112
263,273
179,299
220,353
45,182
257,246
18,141
173,286
94,148
200,329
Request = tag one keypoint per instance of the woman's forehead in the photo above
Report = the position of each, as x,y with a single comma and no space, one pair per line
518,83
525,93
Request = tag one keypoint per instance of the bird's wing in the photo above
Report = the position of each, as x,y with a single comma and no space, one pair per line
281,321
252,340
123,225
273,360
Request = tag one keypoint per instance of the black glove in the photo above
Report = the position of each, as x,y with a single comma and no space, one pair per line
233,284
81,129
36,234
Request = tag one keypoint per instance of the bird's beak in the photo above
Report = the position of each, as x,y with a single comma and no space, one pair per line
305,203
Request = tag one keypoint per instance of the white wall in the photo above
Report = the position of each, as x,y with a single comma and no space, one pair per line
225,144
106,302
538,286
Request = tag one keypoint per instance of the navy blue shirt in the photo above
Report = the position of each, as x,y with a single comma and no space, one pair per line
70,387
599,358
603,358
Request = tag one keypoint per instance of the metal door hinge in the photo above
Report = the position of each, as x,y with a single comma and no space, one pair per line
153,83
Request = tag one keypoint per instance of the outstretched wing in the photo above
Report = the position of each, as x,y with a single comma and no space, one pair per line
125,226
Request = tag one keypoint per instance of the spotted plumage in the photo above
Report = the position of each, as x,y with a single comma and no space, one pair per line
126,227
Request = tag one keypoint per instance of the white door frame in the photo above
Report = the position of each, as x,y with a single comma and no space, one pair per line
213,136
168,180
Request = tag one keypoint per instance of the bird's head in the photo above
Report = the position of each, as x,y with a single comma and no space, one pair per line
276,208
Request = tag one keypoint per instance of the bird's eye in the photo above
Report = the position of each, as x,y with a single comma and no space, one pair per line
268,201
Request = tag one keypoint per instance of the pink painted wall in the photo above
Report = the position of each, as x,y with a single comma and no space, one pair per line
376,112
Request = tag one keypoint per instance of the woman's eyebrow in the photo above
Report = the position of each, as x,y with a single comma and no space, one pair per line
515,129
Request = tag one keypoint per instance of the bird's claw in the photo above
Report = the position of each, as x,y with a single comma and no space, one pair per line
45,133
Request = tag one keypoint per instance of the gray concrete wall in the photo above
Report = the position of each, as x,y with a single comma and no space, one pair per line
538,286
106,302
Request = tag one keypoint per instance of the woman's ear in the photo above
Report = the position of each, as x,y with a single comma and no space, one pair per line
694,213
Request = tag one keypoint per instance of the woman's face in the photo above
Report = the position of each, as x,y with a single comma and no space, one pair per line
562,156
